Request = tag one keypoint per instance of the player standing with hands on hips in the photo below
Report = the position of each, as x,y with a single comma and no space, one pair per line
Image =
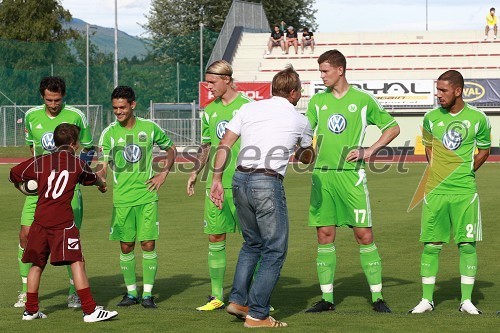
53,231
339,193
270,130
126,145
451,133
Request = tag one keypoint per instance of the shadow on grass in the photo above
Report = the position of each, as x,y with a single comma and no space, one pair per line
449,290
291,299
108,290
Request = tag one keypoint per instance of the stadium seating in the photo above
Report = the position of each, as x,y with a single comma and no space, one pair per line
419,55
404,55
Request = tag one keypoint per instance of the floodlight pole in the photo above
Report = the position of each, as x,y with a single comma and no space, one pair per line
115,71
87,69
426,15
201,51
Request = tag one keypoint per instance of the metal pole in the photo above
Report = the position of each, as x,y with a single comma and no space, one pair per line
178,84
116,45
201,51
426,16
15,126
5,128
87,71
193,122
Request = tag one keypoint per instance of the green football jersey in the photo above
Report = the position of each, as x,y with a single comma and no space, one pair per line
213,127
129,153
39,128
340,125
454,138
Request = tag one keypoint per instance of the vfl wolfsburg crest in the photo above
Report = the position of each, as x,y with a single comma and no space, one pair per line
142,136
132,153
221,129
337,123
48,141
452,140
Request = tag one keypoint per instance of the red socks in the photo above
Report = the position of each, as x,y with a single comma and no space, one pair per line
88,303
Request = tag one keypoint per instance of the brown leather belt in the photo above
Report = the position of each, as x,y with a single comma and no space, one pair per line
265,172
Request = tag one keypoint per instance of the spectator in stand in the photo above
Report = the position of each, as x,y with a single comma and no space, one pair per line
491,23
307,40
277,39
291,39
283,26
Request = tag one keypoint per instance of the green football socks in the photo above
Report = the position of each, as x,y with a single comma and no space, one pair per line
127,265
326,263
468,268
23,269
149,269
429,268
372,267
217,267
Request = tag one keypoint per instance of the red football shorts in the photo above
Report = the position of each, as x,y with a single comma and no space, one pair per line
63,246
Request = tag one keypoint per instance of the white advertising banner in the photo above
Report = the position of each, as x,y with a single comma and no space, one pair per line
391,92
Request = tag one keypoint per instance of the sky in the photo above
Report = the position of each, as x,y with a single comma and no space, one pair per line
332,15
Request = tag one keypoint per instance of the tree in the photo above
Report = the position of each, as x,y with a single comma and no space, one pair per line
298,13
33,20
174,26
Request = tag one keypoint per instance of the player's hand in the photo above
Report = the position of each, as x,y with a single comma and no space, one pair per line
217,194
101,185
191,183
156,182
103,188
358,155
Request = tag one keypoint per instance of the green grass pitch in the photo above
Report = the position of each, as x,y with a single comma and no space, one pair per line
182,282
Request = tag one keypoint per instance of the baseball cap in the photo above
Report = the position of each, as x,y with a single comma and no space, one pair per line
290,27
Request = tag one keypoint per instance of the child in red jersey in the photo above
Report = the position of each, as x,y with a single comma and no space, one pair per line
53,231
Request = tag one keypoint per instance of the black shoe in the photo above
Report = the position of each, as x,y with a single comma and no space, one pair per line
381,306
148,302
322,306
128,300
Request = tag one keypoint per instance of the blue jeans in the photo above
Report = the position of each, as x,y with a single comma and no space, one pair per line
261,207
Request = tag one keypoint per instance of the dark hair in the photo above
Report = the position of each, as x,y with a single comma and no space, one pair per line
453,77
492,8
334,58
125,92
66,134
305,29
53,83
285,81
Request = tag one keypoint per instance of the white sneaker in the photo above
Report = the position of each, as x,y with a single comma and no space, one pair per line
74,301
312,52
485,37
467,306
423,306
32,316
21,300
268,53
99,314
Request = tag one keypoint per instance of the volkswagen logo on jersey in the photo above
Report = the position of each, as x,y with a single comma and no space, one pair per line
48,141
337,123
132,153
221,128
452,140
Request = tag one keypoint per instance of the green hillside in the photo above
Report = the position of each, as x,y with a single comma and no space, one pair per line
104,39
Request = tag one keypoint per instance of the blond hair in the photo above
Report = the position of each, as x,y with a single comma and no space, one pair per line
285,81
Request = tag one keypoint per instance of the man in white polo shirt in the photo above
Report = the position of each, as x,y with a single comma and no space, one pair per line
270,130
